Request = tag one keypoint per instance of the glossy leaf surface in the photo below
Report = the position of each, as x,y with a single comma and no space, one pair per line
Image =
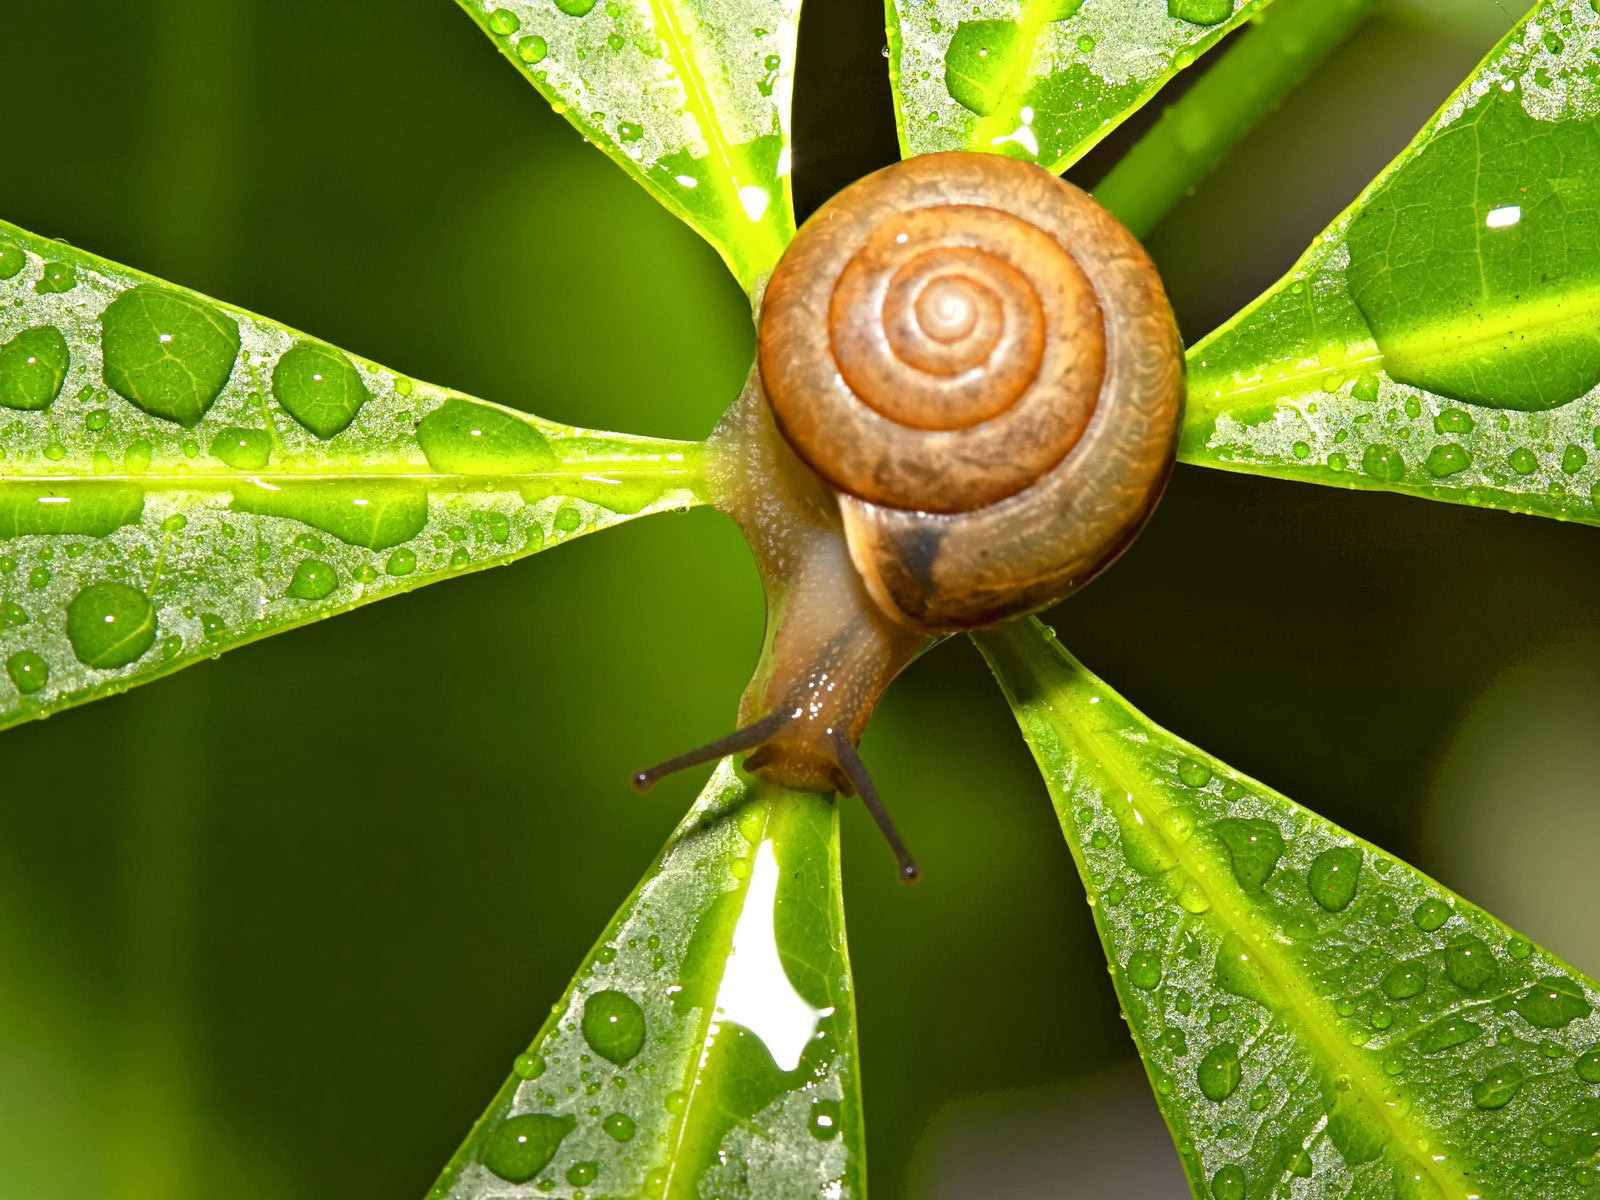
1317,1017
1042,80
178,477
707,1048
1442,337
690,97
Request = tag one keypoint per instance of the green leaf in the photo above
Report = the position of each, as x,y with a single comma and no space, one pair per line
1442,337
1042,80
708,1045
1317,1017
690,97
179,477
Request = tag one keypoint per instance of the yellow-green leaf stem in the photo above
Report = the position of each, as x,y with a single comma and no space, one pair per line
184,477
690,97
1317,1017
707,1047
1042,80
1442,337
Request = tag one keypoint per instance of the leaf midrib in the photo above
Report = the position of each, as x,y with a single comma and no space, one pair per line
1363,1082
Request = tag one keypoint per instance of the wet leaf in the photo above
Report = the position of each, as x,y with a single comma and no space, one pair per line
1320,1021
1042,80
690,97
179,477
1442,337
707,1047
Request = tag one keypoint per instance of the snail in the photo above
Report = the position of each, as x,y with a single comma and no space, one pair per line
965,405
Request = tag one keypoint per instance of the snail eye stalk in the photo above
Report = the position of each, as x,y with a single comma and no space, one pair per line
851,777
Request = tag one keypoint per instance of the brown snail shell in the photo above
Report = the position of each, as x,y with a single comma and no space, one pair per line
982,362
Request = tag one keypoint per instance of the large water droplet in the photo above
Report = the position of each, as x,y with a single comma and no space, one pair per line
1498,1087
33,365
169,353
522,1145
12,259
1254,847
319,387
1218,1073
1332,877
1201,12
1469,963
619,1127
92,508
375,514
28,671
613,1025
313,580
464,437
583,1174
1228,1183
1144,969
1405,980
1430,914
243,449
1441,1035
110,625
1553,1002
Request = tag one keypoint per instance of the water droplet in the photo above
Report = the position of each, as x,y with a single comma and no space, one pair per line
110,625
1553,1002
33,366
1218,1073
56,277
522,1145
1453,420
464,437
1498,1087
1144,969
1085,44
1405,980
1573,459
319,387
1194,774
1588,1065
375,514
1524,461
212,626
1228,1183
1442,1035
28,671
1238,972
825,1120
313,580
12,259
1201,12
583,1174
1332,877
1447,459
527,1066
97,420
243,449
92,508
568,519
533,49
1254,847
39,578
402,562
613,1025
1469,963
169,353
1430,914
619,1127
575,8
504,22
1384,463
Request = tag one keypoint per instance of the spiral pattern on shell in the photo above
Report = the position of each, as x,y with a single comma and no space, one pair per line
982,363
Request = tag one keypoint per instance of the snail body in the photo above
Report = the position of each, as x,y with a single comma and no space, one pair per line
966,403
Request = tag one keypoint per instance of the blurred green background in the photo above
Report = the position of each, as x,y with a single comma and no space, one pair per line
275,927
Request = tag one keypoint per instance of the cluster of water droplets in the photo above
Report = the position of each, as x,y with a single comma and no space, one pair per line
1320,1018
177,477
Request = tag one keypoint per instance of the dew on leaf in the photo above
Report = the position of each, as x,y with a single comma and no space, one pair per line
56,277
613,1025
1469,963
1553,1002
504,22
1447,459
1453,420
1200,12
567,519
167,352
93,508
1573,459
12,259
1218,1073
1588,1065
1497,1088
978,63
110,625
1194,774
28,671
402,562
575,8
1228,1183
527,1066
1333,876
319,387
619,1127
531,50
1238,973
521,1147
583,1174
824,1124
1383,462
1405,980
313,580
1144,969
242,449
33,366
1430,914
1523,461
1254,847
1444,1034
468,438
375,514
